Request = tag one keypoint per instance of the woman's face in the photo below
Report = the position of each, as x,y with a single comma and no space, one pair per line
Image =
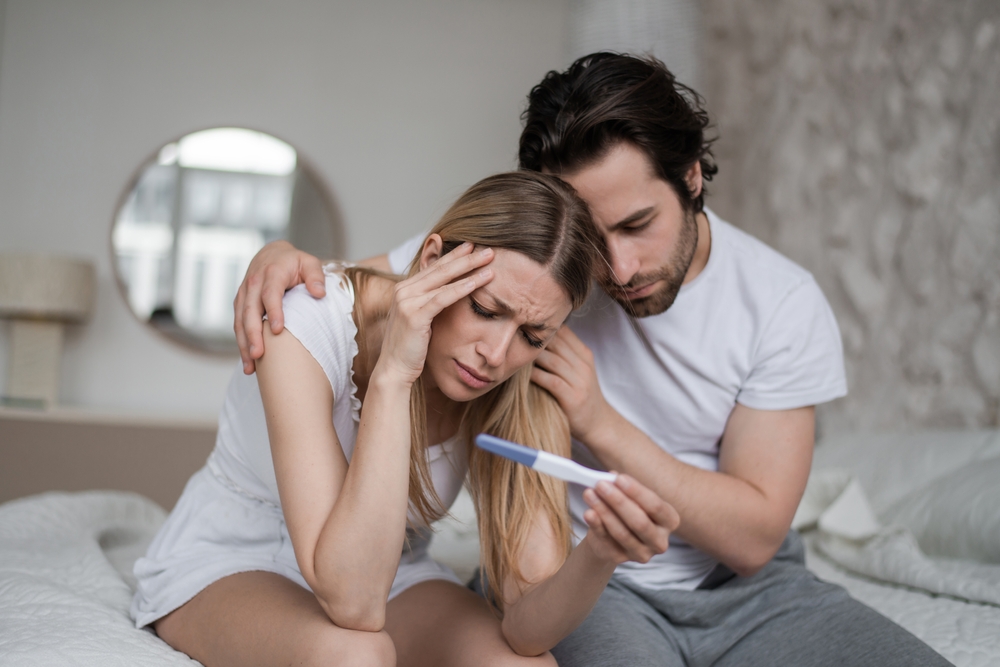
481,340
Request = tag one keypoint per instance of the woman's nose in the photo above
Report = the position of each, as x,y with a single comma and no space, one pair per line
494,347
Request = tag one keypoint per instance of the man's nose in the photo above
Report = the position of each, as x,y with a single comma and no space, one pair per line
624,263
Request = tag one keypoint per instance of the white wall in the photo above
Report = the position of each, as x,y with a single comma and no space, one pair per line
399,104
668,29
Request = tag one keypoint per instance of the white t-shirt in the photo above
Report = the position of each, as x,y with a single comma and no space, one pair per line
753,327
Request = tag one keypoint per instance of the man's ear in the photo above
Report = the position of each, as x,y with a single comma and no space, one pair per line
693,179
431,252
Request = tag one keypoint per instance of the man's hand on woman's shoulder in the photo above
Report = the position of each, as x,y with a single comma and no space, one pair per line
278,266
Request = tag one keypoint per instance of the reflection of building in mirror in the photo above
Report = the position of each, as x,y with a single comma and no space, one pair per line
193,222
143,240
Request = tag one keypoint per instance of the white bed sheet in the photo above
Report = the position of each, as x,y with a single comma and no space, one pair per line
65,566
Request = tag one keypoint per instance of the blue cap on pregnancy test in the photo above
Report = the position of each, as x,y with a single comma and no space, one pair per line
524,455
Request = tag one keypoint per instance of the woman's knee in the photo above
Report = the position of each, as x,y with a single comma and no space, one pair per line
345,648
511,659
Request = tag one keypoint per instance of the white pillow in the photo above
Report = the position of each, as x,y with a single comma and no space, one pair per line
956,515
892,465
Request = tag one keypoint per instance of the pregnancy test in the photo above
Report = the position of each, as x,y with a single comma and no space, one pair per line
550,464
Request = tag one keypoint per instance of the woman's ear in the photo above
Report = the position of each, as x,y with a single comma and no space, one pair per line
432,251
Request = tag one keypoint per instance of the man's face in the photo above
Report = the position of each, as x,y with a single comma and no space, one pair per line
651,237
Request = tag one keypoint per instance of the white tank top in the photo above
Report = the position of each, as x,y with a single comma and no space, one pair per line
325,327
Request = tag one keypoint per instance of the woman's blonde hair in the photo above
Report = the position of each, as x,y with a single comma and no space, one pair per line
542,218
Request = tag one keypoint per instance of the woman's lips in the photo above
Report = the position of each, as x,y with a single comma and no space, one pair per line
472,378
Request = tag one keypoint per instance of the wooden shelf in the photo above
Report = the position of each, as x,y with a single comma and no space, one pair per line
73,449
78,415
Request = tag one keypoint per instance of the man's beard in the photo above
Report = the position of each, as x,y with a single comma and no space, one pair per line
672,274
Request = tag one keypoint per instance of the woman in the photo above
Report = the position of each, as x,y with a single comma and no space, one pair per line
286,546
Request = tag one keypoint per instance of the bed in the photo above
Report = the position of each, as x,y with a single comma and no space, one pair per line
909,524
66,582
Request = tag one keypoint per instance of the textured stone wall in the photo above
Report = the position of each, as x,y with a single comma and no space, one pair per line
862,139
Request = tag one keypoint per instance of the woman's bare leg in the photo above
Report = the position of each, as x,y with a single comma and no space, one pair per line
441,624
261,618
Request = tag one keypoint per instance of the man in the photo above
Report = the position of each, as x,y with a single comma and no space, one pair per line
696,371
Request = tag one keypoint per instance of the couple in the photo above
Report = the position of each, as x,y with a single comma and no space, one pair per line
705,409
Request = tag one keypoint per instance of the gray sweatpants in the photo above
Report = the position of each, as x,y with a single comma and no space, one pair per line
783,615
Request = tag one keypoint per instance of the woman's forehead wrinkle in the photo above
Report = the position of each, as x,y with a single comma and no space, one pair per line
503,306
525,290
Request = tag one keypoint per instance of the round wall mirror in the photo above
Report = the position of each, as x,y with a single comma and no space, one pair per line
195,215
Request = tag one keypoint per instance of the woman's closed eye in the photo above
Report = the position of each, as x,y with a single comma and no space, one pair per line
532,341
485,314
482,312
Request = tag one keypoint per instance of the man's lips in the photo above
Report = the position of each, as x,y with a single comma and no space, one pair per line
470,377
640,292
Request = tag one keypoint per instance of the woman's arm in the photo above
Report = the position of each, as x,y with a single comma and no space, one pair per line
627,521
331,508
347,523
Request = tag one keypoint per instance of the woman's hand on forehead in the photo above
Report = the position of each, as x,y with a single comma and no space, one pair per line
417,300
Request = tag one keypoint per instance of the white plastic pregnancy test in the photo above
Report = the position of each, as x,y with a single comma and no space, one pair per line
550,464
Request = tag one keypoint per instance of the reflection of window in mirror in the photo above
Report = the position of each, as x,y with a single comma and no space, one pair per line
196,216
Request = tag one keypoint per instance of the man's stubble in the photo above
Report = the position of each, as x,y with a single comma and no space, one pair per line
672,274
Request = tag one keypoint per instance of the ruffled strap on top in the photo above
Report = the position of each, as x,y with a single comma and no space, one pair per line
346,285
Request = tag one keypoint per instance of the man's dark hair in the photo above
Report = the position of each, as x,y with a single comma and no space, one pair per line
575,117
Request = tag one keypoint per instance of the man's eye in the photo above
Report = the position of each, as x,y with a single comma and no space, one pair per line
638,228
478,310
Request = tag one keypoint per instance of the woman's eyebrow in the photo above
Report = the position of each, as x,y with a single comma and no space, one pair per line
500,305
